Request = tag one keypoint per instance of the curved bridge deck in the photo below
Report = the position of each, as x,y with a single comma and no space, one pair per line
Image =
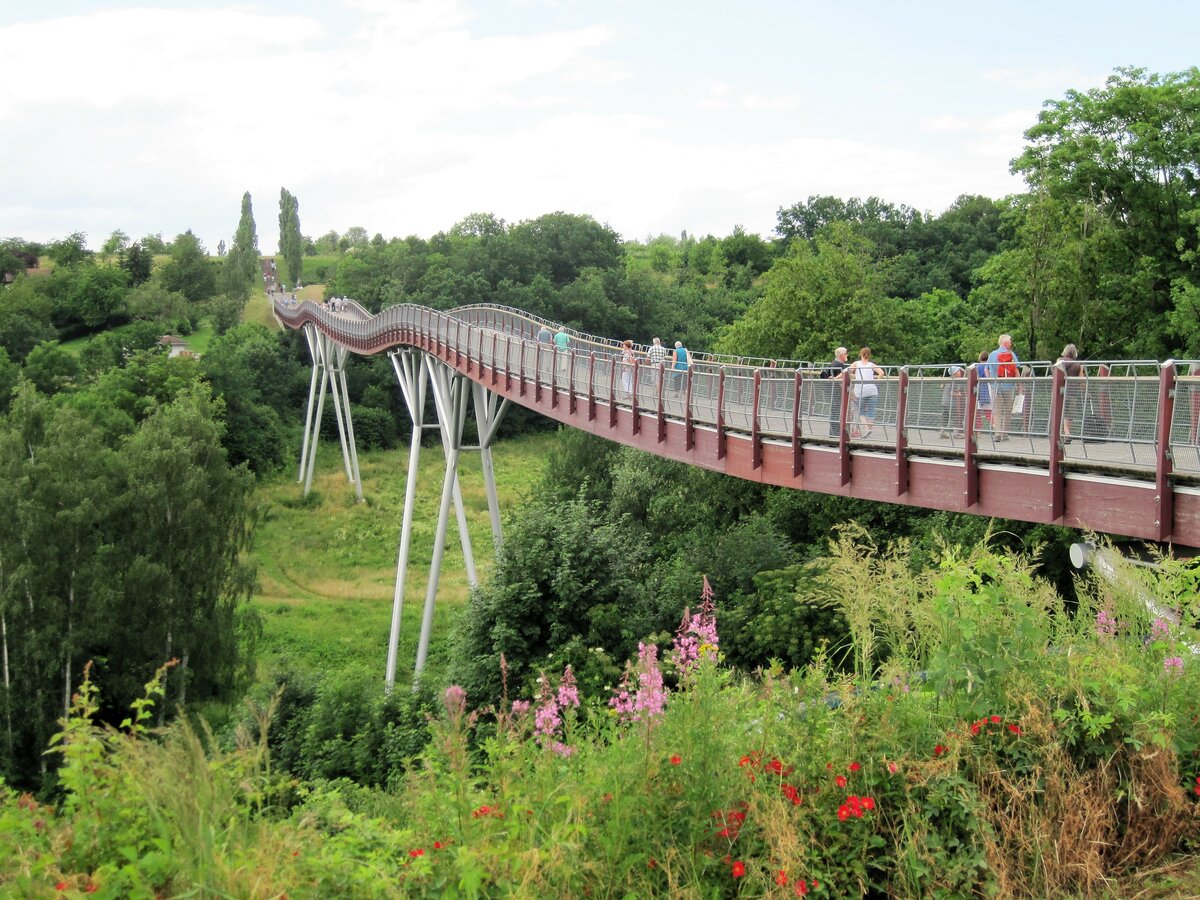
1113,450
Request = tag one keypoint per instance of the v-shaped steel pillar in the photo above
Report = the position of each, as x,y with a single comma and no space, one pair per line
416,372
329,367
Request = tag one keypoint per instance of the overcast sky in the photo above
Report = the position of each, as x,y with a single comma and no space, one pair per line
654,116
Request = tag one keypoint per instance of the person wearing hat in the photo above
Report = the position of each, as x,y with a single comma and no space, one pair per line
954,407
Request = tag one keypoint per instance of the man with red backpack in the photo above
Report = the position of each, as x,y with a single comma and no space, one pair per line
1002,364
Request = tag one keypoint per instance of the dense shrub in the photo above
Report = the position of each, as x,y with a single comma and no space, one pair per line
788,784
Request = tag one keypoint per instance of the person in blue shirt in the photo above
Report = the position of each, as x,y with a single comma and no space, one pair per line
683,360
1002,363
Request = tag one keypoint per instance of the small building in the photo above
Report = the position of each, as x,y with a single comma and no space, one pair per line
176,346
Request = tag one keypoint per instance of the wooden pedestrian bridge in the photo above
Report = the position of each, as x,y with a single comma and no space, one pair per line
1112,450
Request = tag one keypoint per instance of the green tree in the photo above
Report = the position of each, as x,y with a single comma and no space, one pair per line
153,244
189,270
187,515
151,302
291,242
819,296
116,242
69,250
25,318
563,245
10,374
137,261
241,270
1129,150
51,368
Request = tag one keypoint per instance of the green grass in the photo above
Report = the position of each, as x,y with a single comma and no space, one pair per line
199,339
258,310
327,566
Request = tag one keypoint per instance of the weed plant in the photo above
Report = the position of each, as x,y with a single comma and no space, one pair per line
986,744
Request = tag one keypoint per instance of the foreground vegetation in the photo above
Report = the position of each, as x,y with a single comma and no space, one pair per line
1006,747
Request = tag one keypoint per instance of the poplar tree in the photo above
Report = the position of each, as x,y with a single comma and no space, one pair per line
291,242
241,263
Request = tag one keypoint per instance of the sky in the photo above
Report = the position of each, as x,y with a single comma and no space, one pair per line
653,116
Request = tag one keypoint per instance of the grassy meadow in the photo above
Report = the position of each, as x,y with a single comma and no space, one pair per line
327,565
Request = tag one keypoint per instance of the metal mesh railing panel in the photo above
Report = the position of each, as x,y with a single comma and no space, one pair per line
1113,420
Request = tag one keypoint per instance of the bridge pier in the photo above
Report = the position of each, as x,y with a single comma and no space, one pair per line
417,372
330,360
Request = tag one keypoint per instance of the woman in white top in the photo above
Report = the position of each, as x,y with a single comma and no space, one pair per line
863,373
627,367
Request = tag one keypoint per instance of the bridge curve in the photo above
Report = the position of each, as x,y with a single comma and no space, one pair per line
1113,450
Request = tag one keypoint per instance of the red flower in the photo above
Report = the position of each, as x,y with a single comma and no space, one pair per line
789,791
974,728
840,781
419,851
854,767
995,720
939,750
868,803
90,888
1015,729
843,812
481,812
802,888
893,768
60,886
781,879
438,845
676,759
739,869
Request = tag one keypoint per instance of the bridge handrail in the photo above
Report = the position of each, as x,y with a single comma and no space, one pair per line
614,344
1107,418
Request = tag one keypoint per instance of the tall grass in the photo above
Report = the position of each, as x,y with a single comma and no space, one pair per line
327,565
1080,781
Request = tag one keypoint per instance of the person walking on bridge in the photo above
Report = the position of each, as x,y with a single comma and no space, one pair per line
627,359
562,344
656,352
683,361
866,392
832,372
1002,363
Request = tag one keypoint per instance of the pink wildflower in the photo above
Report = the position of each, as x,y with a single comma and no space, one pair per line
696,638
650,699
568,691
